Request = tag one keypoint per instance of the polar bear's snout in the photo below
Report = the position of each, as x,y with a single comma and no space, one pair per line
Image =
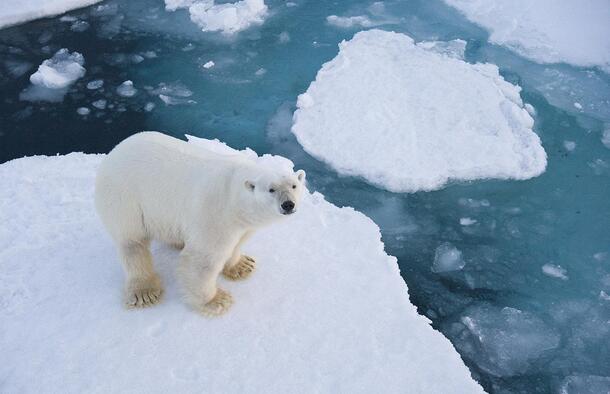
287,207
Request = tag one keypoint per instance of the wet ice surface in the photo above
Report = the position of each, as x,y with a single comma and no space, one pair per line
506,231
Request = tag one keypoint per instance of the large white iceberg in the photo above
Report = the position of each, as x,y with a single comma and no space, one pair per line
227,18
326,311
13,12
546,31
411,117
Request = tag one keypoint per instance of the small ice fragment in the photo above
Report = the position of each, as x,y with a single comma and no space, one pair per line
172,89
228,18
291,4
99,104
600,256
83,111
79,26
555,271
260,72
60,71
136,58
467,221
284,37
168,100
447,258
149,106
346,22
208,64
150,54
68,18
578,105
598,166
604,296
569,145
126,89
95,84
606,138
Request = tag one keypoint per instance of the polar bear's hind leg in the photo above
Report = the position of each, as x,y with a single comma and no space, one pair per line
143,287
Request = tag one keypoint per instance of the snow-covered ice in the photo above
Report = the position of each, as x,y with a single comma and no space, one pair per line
408,118
227,18
13,12
546,31
208,64
349,21
447,258
60,71
95,84
326,294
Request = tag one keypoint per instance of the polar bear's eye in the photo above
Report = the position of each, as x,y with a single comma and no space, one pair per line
272,190
294,186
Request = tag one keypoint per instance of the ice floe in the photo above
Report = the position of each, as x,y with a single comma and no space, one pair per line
326,294
21,11
227,18
546,31
408,118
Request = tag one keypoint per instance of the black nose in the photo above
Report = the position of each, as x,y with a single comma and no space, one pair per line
288,206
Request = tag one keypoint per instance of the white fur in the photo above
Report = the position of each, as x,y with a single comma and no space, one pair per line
152,186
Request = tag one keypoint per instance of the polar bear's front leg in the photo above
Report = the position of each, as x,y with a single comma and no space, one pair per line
198,272
239,266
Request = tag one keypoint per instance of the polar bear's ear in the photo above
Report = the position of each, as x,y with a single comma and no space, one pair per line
301,175
249,185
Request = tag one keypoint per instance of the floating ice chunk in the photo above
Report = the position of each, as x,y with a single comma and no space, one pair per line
447,258
453,48
585,384
260,72
504,341
578,105
284,37
531,28
169,100
472,203
604,296
349,21
149,107
83,111
407,119
99,104
208,65
467,221
126,89
599,166
17,68
606,138
95,84
600,256
175,89
79,26
150,54
21,11
569,145
555,271
227,18
60,71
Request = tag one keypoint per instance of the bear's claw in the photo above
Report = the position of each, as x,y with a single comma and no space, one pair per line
242,270
142,294
218,305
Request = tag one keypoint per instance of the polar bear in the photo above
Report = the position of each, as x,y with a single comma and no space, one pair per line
152,186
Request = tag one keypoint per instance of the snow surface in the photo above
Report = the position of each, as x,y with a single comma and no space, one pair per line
13,12
227,18
546,31
413,117
326,310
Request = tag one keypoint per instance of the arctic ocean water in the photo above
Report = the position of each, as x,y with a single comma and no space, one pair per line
527,305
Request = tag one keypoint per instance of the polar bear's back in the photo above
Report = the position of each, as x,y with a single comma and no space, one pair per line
157,177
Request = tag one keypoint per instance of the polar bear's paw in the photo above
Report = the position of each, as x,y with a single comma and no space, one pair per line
242,270
142,293
218,305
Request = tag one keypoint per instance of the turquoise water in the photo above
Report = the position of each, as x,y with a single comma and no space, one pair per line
553,328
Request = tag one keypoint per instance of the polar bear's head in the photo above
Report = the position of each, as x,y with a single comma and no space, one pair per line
272,195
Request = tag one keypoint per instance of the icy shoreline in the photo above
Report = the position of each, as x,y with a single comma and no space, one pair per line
26,10
326,310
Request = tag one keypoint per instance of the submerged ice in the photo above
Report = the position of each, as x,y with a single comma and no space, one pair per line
372,112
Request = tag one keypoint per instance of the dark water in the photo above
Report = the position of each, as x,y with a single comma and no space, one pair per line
560,218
